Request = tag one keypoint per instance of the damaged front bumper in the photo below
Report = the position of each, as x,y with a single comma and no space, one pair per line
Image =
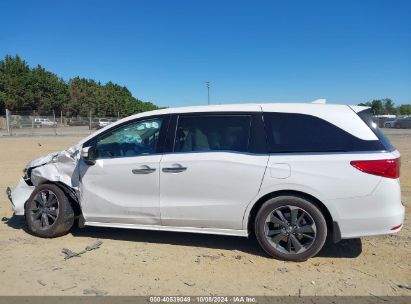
19,196
55,167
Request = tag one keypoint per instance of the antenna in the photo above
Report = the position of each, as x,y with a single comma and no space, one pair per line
320,101
208,91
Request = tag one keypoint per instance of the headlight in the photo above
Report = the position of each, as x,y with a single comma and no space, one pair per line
25,175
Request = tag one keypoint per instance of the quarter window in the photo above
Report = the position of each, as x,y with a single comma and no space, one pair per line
366,116
134,139
290,132
212,133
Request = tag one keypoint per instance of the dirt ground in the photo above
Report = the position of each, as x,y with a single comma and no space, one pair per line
133,262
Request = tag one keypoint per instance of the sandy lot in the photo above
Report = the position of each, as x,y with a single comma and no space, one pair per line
131,262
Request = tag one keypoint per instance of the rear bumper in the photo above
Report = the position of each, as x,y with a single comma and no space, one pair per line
19,196
373,226
380,213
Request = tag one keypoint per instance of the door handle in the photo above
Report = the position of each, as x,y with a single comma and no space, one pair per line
176,168
143,170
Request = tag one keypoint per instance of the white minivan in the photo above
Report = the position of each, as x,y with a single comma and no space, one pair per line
292,174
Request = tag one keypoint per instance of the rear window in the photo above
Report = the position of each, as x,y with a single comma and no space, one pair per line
291,132
366,116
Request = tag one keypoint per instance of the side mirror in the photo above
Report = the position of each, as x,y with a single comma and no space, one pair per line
86,155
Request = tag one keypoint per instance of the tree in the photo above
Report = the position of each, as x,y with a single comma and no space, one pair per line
404,109
49,92
365,104
388,105
14,80
380,106
23,88
377,107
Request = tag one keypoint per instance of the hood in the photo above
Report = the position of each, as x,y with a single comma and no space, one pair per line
57,167
72,153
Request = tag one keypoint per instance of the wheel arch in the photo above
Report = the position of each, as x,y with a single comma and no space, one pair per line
332,226
70,193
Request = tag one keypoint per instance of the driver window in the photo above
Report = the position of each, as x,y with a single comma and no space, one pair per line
138,138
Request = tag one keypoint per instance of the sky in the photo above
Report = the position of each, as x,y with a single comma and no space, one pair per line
251,51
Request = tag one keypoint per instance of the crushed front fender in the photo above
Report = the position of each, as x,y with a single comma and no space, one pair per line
56,167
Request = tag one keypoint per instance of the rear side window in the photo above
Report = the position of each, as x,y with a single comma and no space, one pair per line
290,132
212,133
366,116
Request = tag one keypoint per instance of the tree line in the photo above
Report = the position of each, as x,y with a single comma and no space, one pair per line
386,106
35,89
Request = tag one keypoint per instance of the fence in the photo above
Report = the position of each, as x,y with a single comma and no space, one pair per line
32,123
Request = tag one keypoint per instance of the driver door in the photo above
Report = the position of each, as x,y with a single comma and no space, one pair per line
123,185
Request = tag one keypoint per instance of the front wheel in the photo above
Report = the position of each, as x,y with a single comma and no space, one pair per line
290,228
48,212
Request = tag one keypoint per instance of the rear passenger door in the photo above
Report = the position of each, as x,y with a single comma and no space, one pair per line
214,170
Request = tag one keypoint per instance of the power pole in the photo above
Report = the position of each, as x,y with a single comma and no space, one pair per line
208,91
8,121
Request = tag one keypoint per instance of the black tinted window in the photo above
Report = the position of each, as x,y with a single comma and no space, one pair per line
366,116
212,133
289,132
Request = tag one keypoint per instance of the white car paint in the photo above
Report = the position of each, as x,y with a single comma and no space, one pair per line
104,122
111,193
20,195
205,199
362,204
215,202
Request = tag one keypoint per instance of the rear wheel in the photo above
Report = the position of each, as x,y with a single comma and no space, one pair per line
48,212
290,228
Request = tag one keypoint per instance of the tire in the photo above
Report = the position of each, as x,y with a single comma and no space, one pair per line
48,212
295,242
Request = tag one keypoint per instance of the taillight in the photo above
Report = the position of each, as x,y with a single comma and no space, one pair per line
396,227
382,167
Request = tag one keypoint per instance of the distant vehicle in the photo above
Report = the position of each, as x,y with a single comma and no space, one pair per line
380,120
45,122
403,123
94,124
385,116
25,122
102,122
78,122
390,123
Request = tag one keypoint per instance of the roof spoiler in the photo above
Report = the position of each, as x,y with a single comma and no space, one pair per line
357,109
320,101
